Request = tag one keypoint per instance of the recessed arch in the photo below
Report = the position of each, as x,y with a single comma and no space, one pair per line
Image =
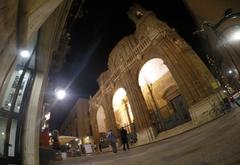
101,120
122,109
161,92
151,71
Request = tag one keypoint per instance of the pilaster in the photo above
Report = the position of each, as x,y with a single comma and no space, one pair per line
93,122
139,108
110,118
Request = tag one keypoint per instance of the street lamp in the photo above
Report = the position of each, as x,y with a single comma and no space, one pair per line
25,54
60,94
235,36
230,71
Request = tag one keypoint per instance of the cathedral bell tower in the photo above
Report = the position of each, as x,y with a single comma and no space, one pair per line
137,13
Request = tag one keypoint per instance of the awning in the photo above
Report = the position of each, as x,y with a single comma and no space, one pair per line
65,139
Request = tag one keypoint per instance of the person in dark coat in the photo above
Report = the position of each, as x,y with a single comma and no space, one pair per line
55,140
124,138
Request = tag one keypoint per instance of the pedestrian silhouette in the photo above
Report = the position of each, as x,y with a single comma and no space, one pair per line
124,138
112,140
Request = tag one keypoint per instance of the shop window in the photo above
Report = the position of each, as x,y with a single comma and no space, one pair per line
9,94
12,138
21,92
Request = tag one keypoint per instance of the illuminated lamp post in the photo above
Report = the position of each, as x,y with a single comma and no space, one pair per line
25,54
60,94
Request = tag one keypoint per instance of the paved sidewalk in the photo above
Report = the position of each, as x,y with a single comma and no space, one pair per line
217,142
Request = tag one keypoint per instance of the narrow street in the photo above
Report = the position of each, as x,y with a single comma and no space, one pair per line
217,142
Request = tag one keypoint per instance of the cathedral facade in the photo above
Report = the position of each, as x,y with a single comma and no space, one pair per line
154,82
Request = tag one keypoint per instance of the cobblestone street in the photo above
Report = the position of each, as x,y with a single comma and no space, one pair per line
217,142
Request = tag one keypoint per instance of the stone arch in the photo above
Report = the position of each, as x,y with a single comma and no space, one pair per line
149,54
101,120
122,109
150,71
178,72
155,79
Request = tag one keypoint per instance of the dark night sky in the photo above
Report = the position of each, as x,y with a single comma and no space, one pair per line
94,35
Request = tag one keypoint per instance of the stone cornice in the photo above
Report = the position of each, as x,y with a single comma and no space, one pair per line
138,51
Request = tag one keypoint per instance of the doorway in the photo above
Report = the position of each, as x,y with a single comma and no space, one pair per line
180,109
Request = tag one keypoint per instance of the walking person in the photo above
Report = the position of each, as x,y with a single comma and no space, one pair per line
56,145
100,147
112,140
124,138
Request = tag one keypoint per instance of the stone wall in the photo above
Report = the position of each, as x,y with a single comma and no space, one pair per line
78,121
8,31
83,121
158,90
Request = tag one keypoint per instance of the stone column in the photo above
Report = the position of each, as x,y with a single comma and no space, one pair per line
32,123
110,118
139,108
93,122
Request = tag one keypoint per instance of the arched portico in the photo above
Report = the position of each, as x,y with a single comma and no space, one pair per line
101,120
122,109
177,84
162,95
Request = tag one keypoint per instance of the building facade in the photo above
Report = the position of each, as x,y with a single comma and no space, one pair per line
154,82
29,34
77,122
219,22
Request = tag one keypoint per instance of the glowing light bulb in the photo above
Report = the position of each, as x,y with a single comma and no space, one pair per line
60,94
25,54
